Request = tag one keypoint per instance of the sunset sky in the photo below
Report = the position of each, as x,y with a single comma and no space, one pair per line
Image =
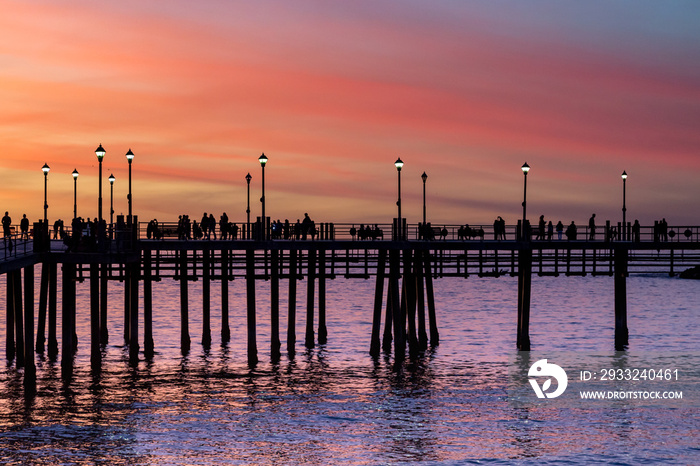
334,91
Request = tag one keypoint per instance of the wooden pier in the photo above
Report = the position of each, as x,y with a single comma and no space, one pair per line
404,270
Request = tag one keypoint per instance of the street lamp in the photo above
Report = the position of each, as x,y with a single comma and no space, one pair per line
111,201
130,158
45,169
75,193
624,206
100,153
525,168
424,177
263,160
399,165
247,210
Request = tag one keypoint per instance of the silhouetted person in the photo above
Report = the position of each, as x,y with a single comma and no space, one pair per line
636,231
550,231
24,227
234,231
6,229
55,228
571,231
591,227
664,230
223,226
353,232
560,229
305,226
540,228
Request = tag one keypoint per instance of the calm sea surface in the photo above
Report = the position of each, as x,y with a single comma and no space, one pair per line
467,401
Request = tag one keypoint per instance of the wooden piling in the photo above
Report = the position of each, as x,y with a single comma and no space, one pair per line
148,344
430,296
9,317
250,292
310,295
206,299
43,307
19,318
275,306
322,330
104,293
134,313
621,332
420,297
29,367
524,288
95,355
399,327
375,347
127,303
184,304
387,338
409,284
68,314
225,329
292,304
53,309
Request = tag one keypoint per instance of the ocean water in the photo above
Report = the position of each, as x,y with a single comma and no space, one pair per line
468,400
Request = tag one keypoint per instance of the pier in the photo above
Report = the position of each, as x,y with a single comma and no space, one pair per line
405,267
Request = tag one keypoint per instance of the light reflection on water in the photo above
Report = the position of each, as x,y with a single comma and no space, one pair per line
334,404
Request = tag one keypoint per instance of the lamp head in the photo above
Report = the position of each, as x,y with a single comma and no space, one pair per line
100,153
111,179
525,168
248,178
45,169
398,164
424,177
624,175
75,173
130,156
262,159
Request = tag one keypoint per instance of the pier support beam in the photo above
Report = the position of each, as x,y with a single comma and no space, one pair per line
250,294
9,317
95,354
184,305
408,303
374,346
430,296
322,330
29,367
104,275
275,307
134,313
621,332
292,304
206,299
148,346
19,318
524,289
420,299
53,309
68,315
43,306
399,326
225,329
311,291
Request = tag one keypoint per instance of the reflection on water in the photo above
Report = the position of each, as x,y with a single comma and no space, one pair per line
335,404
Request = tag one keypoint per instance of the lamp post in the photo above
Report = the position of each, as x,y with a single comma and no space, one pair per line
75,193
399,165
623,234
111,201
100,153
525,168
424,177
247,210
45,169
263,160
130,158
